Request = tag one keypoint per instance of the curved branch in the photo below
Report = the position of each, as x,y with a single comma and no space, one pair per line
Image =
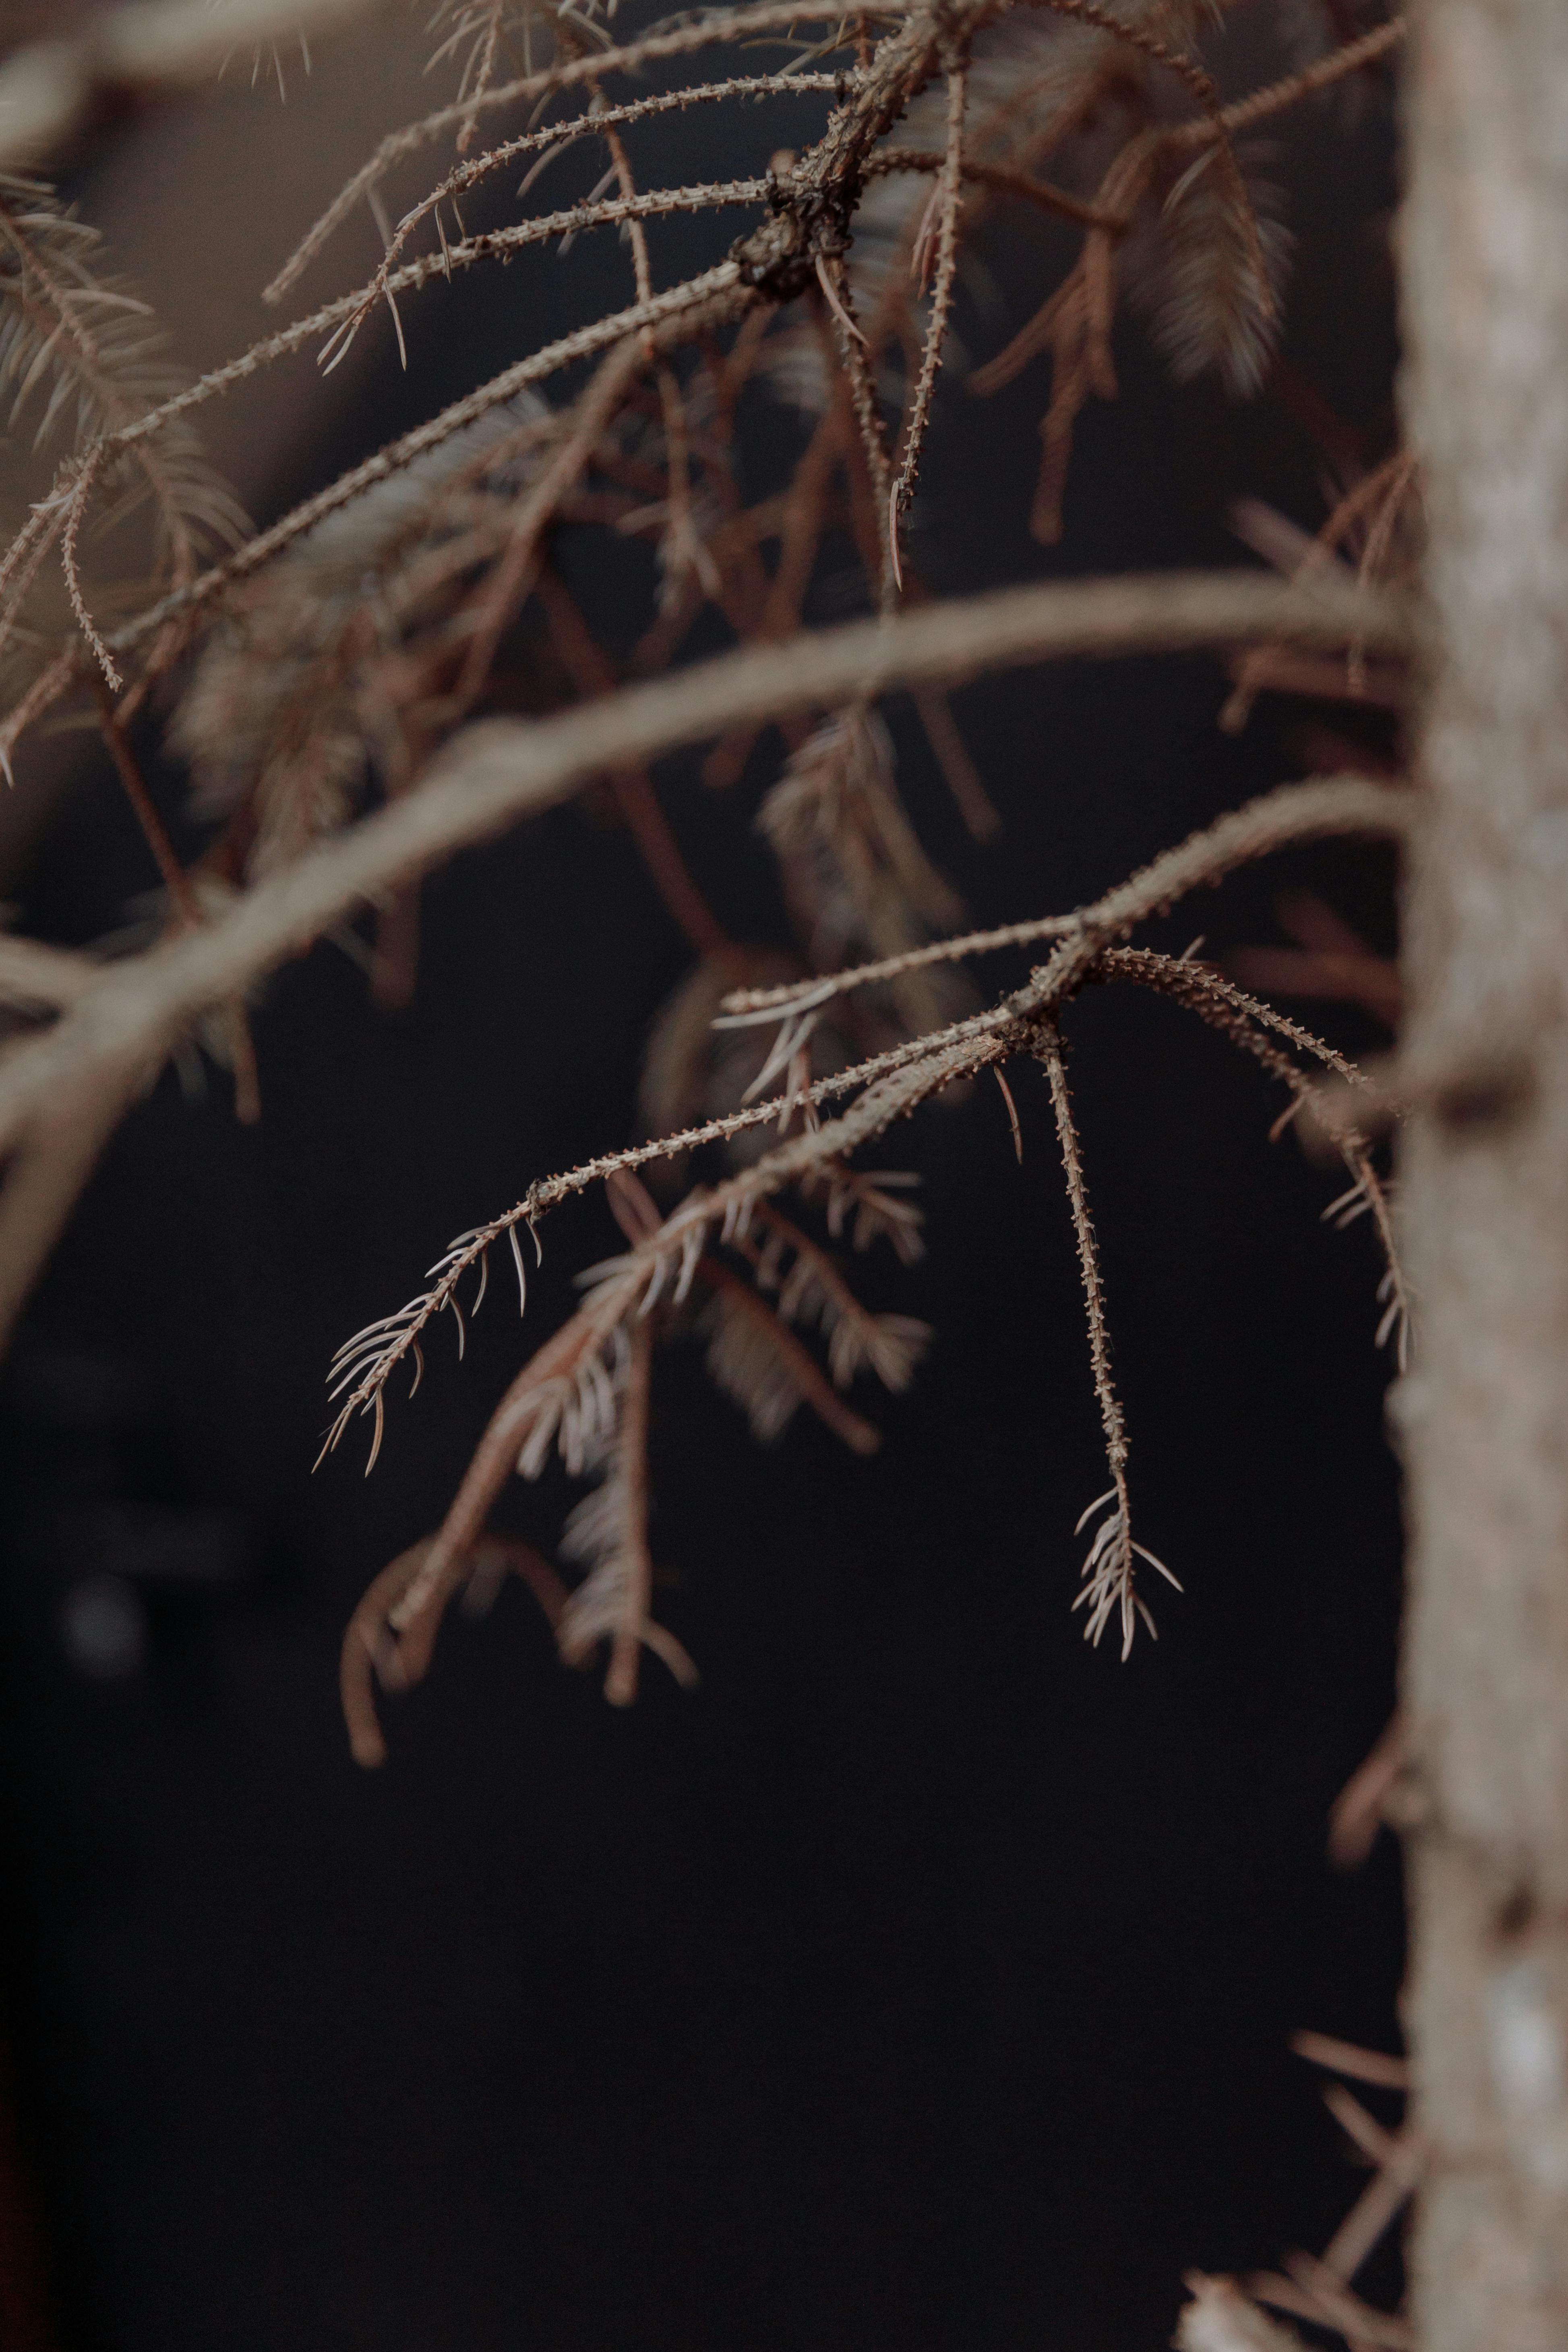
506,769
1326,806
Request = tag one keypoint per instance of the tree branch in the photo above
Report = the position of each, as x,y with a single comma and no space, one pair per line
504,769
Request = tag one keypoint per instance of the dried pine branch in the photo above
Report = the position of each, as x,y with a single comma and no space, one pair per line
280,713
1109,1571
1374,521
1295,813
1247,1022
308,685
81,357
853,875
565,1396
936,256
481,34
762,1367
345,650
1211,274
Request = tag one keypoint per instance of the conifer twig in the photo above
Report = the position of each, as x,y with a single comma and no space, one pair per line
1109,1586
946,197
911,1070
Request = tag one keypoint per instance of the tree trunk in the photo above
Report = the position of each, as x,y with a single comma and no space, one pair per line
1483,1415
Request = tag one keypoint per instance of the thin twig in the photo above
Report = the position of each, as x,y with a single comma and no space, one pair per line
558,135
948,197
1109,1587
625,1648
744,1007
571,220
1279,96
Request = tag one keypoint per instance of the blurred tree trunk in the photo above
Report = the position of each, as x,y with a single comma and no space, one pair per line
1484,1412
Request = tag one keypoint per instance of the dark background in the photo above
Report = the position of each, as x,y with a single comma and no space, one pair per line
923,1982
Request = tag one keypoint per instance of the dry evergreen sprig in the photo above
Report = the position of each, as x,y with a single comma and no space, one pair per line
319,674
1326,807
585,1394
1110,1573
607,1535
349,648
376,693
1213,274
566,1397
359,647
853,871
80,358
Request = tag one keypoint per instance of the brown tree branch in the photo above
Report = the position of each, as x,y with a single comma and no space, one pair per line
896,1080
505,768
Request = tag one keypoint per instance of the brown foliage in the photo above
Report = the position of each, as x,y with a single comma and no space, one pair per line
358,649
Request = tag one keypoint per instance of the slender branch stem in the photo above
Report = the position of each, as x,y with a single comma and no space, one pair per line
743,1006
176,881
630,209
626,1648
556,136
947,196
1354,57
1112,1420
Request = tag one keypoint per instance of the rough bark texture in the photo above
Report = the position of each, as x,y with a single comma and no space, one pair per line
1484,1414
